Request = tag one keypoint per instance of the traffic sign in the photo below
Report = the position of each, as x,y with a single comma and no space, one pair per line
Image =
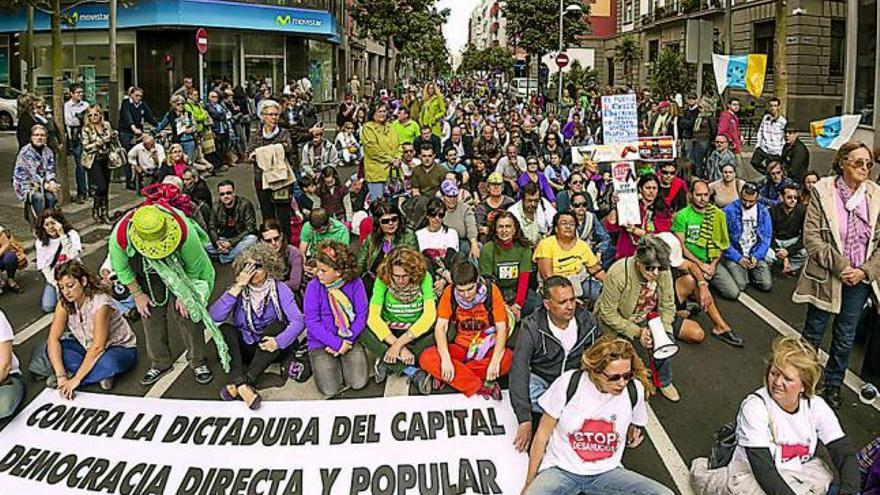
202,41
561,60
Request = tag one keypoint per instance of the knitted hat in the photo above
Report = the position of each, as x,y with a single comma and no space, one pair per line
154,233
495,178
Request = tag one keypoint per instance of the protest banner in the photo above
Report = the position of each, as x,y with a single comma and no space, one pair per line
128,445
620,119
623,175
650,149
657,149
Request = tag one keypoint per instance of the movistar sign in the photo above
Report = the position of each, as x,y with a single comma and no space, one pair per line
284,20
97,17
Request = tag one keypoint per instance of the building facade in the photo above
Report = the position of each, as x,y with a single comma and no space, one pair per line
487,26
862,79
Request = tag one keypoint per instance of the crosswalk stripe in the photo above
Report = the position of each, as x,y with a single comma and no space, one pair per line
850,379
33,329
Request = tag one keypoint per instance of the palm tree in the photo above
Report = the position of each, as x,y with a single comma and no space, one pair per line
628,53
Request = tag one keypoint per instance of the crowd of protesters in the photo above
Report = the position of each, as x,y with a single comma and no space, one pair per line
471,237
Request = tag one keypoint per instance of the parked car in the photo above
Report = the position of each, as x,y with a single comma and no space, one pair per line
524,86
8,107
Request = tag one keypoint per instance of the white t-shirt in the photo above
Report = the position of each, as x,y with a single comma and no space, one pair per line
791,438
7,335
749,230
591,433
437,243
567,336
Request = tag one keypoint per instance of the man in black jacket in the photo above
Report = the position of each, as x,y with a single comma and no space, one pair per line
550,342
795,156
233,224
427,137
463,144
132,114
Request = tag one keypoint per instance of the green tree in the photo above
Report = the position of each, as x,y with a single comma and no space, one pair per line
628,52
427,51
670,74
486,60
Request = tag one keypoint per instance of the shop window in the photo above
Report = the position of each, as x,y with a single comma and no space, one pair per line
762,41
866,50
838,47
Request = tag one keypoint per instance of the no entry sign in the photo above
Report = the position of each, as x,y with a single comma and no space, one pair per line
561,60
202,41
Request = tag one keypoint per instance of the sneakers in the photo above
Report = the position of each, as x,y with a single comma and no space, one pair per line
868,393
831,394
106,384
670,392
203,374
152,376
380,371
423,381
490,390
52,381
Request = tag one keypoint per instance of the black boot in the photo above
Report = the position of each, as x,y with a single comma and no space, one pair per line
96,209
105,207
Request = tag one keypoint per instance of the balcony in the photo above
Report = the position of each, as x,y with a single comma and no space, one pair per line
680,10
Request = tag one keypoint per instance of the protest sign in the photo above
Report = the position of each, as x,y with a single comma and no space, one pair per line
657,149
421,445
600,153
620,119
623,175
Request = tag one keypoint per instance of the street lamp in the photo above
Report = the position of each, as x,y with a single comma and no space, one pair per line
562,11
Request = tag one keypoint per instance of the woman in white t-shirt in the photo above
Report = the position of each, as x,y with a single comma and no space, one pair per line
438,243
579,444
11,382
56,243
777,430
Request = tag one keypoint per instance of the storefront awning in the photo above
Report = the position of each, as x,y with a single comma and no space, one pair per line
187,13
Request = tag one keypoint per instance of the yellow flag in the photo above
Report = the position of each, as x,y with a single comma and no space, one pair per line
755,73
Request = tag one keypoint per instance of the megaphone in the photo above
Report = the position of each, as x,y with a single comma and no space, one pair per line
664,347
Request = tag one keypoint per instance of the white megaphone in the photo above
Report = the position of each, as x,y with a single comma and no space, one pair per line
664,347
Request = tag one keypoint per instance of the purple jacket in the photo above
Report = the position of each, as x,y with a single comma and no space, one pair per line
228,305
543,184
295,262
319,318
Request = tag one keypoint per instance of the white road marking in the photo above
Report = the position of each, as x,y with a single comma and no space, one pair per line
669,454
33,329
850,379
159,388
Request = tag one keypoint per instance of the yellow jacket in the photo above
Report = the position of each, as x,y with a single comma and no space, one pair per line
381,147
432,113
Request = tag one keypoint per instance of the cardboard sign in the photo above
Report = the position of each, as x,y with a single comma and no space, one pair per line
623,176
620,119
657,149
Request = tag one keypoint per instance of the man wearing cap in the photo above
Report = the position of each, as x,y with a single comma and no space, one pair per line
460,217
321,227
795,155
158,252
426,179
495,201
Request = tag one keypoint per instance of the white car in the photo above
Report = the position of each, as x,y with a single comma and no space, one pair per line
8,107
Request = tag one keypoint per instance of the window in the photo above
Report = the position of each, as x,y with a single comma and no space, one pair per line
653,50
610,71
866,50
838,47
628,11
762,41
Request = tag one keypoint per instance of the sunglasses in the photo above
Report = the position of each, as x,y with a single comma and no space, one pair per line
652,268
667,172
434,214
227,193
580,204
576,182
861,163
388,221
629,375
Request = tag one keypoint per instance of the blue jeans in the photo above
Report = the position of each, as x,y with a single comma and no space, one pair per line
189,149
115,360
537,387
226,258
376,190
592,288
852,300
618,481
49,299
9,264
82,183
42,200
11,393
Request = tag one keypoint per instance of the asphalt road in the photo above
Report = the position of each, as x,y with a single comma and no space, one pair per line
712,377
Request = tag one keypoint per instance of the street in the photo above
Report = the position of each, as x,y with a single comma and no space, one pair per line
712,377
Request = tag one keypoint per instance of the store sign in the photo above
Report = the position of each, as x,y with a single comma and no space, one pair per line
284,20
87,17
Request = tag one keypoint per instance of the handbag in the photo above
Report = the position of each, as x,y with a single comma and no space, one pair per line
117,156
208,144
724,441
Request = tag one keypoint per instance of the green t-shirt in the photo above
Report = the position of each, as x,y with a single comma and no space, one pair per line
406,133
687,222
394,311
336,232
505,265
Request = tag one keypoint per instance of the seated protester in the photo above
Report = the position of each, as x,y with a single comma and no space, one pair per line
175,163
438,243
233,225
389,232
726,189
510,167
33,175
271,234
673,189
317,154
145,158
11,381
534,213
636,288
590,229
507,260
493,202
787,247
259,319
197,189
454,164
770,189
123,299
461,143
574,184
459,216
720,157
532,174
56,244
566,255
750,233
408,162
332,193
402,314
427,177
551,341
335,308
690,284
702,230
477,356
478,179
556,172
101,345
427,138
778,429
306,195
321,227
654,212
464,196
348,148
611,388
12,258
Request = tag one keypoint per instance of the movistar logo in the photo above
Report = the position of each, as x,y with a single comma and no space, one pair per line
75,18
284,20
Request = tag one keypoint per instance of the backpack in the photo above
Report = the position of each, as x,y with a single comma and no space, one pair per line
575,380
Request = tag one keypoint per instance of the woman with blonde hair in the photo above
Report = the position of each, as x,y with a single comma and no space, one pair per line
433,109
402,313
778,429
589,416
98,141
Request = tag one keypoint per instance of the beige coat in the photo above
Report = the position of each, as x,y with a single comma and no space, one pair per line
620,293
819,283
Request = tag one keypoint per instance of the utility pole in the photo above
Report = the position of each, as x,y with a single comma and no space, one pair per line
559,81
728,27
114,82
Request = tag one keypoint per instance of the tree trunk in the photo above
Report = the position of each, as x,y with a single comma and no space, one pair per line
388,74
114,81
780,73
31,80
58,101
